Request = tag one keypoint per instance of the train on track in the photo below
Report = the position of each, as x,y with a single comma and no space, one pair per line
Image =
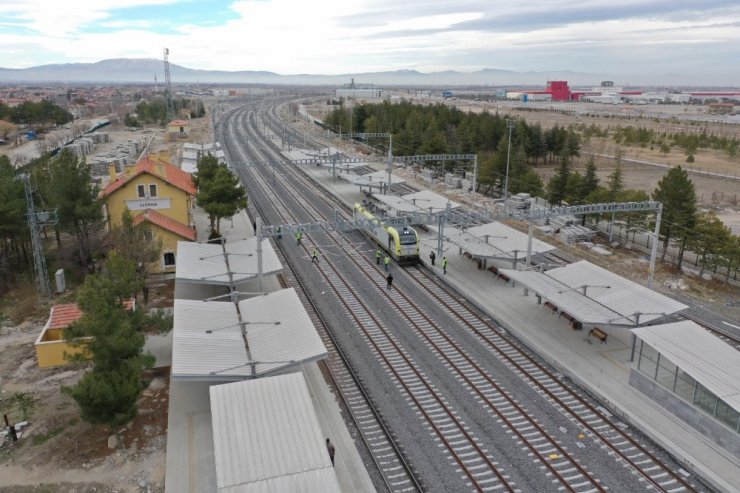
401,243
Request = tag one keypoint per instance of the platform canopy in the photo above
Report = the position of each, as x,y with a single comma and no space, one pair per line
205,263
495,240
423,201
376,179
705,357
267,438
593,295
209,343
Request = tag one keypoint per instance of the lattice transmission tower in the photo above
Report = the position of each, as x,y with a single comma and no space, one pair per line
168,87
36,220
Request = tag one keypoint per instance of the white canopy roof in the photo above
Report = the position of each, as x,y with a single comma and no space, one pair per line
609,298
208,343
706,358
267,438
502,242
417,202
205,263
375,179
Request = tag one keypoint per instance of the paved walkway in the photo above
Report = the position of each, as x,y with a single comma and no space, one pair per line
603,369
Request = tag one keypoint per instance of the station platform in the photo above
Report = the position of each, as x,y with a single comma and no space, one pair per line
190,449
601,369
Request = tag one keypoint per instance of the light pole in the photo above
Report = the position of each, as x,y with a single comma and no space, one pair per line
510,125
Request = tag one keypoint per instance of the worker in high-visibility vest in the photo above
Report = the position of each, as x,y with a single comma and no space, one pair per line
298,238
315,255
386,261
279,232
377,256
444,265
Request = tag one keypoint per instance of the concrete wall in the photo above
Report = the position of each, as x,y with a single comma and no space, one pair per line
710,428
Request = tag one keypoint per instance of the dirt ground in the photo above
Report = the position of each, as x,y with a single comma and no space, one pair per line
57,451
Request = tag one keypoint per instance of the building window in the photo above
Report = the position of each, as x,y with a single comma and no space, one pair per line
141,190
648,361
704,399
152,190
685,385
666,372
728,416
169,259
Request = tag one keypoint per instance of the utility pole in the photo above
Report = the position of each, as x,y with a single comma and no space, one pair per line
510,125
168,87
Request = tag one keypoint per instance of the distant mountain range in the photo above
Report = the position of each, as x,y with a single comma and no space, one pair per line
144,70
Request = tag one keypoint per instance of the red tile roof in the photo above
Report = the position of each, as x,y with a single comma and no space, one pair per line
167,223
167,172
178,122
64,315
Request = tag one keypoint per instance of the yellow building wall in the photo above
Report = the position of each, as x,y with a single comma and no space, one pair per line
180,205
169,244
56,352
176,128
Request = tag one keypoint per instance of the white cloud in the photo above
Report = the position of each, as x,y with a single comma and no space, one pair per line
339,36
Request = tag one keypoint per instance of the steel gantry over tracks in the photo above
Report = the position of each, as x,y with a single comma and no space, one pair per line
448,216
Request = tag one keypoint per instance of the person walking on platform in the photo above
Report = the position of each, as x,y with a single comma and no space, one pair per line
432,257
330,448
315,255
254,226
298,238
386,262
390,281
377,256
444,265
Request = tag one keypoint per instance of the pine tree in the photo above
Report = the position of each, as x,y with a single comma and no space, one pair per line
557,187
615,183
676,191
221,196
107,394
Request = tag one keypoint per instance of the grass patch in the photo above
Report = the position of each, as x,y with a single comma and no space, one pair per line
45,437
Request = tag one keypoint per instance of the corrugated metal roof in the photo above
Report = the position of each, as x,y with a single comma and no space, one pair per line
205,262
279,332
294,339
197,354
710,361
417,202
623,296
375,178
572,302
609,299
502,241
267,438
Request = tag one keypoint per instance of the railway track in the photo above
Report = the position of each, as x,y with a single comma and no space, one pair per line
389,460
481,470
592,419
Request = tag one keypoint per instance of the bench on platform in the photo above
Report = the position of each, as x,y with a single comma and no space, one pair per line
599,334
498,274
551,306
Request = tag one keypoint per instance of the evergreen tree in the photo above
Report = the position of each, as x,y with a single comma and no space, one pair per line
677,194
615,184
107,394
590,180
221,196
71,190
557,187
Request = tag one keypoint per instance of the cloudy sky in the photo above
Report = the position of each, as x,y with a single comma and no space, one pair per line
346,36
